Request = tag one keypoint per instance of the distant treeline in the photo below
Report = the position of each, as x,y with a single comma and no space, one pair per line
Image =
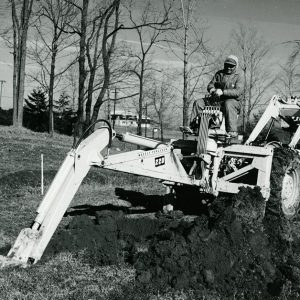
63,122
6,117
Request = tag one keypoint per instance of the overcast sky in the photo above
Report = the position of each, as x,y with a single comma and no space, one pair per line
276,11
277,20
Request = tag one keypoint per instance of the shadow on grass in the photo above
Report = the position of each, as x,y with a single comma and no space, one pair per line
91,210
151,203
188,200
4,250
140,203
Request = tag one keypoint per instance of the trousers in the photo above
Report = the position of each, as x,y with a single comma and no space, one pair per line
198,106
230,107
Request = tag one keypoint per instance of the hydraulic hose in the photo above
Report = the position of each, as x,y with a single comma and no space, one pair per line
109,128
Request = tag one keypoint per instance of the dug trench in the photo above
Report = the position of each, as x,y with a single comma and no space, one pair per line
231,248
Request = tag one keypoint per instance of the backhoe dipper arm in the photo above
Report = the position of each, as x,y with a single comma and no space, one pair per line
31,242
272,111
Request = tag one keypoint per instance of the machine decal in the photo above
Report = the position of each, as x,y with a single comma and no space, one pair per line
295,119
159,161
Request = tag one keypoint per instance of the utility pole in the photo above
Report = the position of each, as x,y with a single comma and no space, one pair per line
1,88
146,119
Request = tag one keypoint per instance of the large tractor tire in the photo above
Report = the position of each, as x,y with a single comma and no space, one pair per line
285,183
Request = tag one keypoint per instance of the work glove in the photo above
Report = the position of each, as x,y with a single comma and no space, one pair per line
219,92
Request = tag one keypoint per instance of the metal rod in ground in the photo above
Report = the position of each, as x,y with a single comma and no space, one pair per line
42,174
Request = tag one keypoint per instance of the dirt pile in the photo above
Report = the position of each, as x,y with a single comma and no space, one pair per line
108,238
226,250
231,249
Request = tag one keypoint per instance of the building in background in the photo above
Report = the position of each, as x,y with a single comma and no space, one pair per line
127,118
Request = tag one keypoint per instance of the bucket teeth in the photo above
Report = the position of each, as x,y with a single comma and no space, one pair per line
6,262
23,246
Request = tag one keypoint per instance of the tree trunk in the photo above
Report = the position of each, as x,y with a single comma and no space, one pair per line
15,87
88,106
21,78
244,100
20,28
141,90
99,101
82,72
185,82
51,88
249,98
106,55
161,127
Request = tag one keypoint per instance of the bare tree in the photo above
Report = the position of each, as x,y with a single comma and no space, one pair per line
149,26
296,51
81,63
288,79
71,84
190,46
119,81
21,12
161,95
99,24
109,24
251,48
52,47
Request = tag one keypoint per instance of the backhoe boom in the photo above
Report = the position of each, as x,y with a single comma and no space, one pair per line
31,242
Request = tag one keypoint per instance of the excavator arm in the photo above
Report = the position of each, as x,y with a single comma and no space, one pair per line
161,161
31,242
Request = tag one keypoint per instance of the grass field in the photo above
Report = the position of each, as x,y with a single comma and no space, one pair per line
65,275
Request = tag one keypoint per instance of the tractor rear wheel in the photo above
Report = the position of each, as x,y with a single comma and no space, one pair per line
285,183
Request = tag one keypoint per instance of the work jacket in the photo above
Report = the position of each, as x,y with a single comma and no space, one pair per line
232,85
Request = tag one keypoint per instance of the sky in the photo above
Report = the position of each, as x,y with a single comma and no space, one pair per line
273,11
277,20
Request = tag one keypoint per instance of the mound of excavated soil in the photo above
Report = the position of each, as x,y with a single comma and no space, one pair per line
226,250
232,248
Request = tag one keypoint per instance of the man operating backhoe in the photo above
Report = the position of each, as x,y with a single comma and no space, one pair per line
227,86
